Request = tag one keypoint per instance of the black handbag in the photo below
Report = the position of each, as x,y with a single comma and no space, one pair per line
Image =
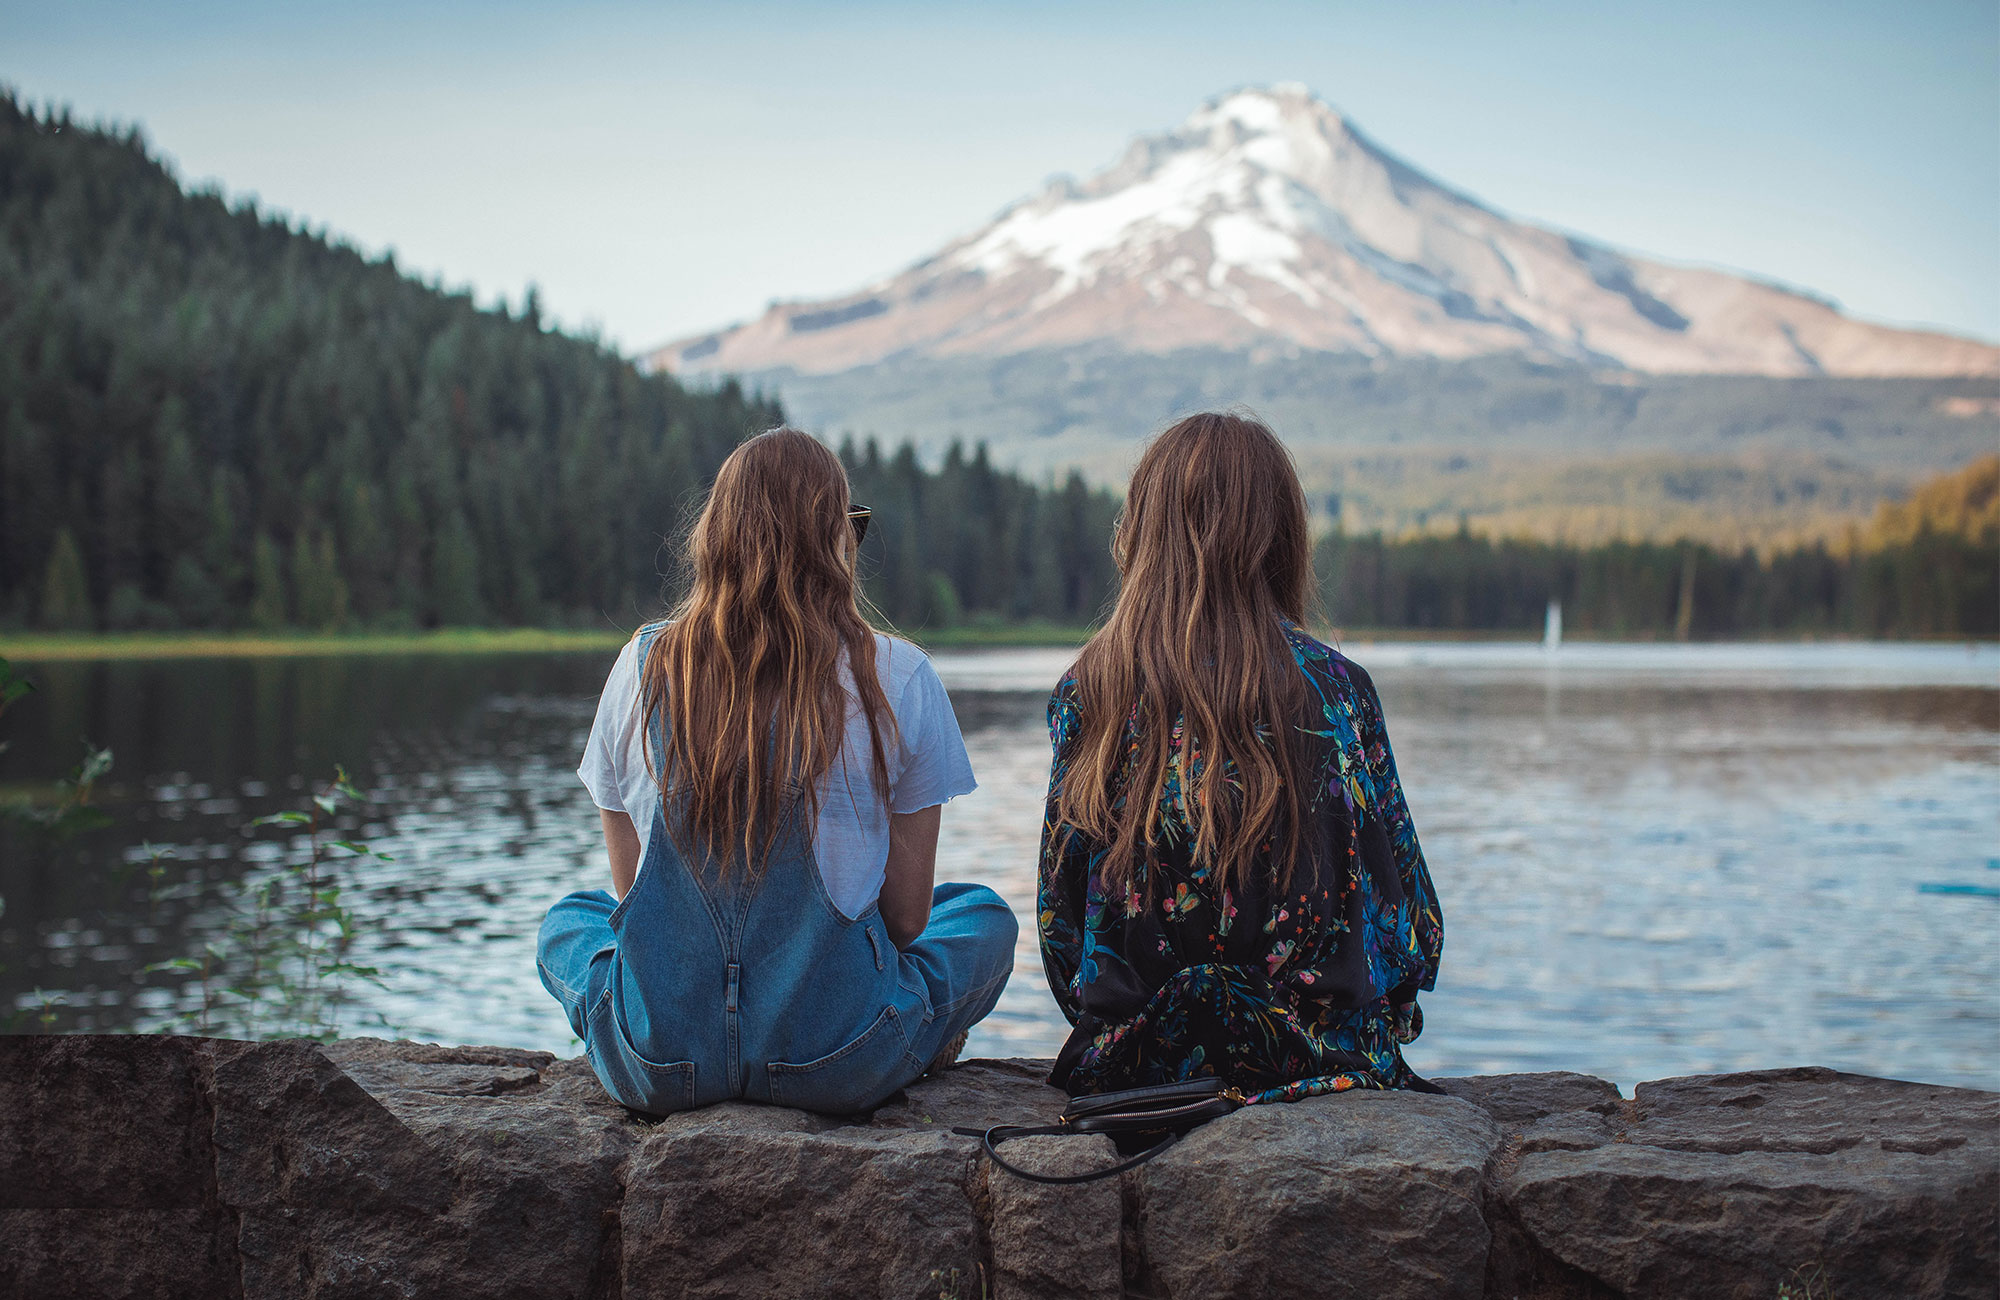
1167,1109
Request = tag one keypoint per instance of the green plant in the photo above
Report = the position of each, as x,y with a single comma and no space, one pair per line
70,813
12,687
49,822
156,870
42,1014
282,967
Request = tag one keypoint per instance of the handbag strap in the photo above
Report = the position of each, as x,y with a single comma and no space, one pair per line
991,1138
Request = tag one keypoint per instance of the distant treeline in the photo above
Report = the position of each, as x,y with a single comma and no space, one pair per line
1926,567
210,419
969,539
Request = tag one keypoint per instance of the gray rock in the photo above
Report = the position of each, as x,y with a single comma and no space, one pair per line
1045,1241
165,1167
533,1150
293,1131
1577,1130
116,1254
1056,1242
1359,1194
975,1094
355,1054
386,1068
102,1122
334,1196
1722,1186
1517,1100
107,1184
749,1201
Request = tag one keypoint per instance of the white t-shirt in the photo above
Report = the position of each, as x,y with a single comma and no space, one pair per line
851,839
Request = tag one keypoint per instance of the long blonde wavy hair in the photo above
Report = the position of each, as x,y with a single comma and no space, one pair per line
1213,551
745,678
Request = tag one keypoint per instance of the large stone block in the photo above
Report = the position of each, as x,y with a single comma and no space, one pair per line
1363,1194
293,1131
1517,1100
103,1121
1722,1186
749,1201
107,1183
117,1254
533,1151
1061,1242
1056,1241
976,1094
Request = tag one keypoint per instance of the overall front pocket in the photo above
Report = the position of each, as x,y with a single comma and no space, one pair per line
854,1078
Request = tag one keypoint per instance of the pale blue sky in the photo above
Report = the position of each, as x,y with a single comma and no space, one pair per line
661,169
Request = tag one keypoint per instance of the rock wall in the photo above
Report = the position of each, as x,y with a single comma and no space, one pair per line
169,1167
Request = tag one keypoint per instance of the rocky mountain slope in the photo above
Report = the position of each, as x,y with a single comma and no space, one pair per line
1268,222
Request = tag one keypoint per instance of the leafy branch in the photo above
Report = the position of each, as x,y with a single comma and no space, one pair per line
70,813
283,964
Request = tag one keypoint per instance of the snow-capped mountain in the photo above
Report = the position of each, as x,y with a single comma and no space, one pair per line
1268,219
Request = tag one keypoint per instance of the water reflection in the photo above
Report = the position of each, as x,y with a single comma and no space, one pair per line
1654,861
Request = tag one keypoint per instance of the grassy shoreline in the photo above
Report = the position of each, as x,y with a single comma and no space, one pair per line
60,647
57,647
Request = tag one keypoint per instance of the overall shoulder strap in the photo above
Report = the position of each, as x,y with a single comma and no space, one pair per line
644,636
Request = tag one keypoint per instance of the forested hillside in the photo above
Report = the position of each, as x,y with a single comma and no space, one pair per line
1404,443
211,418
970,539
1928,566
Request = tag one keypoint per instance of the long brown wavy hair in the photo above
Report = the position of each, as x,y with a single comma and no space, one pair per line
746,675
1213,551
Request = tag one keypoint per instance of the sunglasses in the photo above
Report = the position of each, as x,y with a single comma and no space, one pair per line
859,517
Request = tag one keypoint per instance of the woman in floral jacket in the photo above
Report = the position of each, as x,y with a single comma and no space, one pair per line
1230,882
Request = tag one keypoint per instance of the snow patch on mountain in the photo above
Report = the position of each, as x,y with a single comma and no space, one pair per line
1266,217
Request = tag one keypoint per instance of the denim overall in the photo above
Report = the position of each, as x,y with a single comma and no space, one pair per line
703,986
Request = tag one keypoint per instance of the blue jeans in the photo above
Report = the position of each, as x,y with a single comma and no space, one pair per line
697,988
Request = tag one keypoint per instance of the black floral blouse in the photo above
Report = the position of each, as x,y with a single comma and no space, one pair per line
1282,995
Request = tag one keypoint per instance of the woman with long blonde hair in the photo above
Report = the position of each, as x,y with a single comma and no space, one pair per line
1230,882
769,772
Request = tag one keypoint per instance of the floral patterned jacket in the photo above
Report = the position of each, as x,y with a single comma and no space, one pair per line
1282,995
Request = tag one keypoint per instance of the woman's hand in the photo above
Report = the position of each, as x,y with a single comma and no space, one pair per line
622,841
905,904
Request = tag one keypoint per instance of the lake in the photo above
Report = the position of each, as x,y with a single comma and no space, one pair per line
1654,860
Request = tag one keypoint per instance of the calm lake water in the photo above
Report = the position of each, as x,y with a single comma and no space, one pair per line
1653,860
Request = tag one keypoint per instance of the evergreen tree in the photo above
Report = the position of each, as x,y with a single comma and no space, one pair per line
369,558
180,497
269,606
318,588
193,594
221,554
65,591
455,577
